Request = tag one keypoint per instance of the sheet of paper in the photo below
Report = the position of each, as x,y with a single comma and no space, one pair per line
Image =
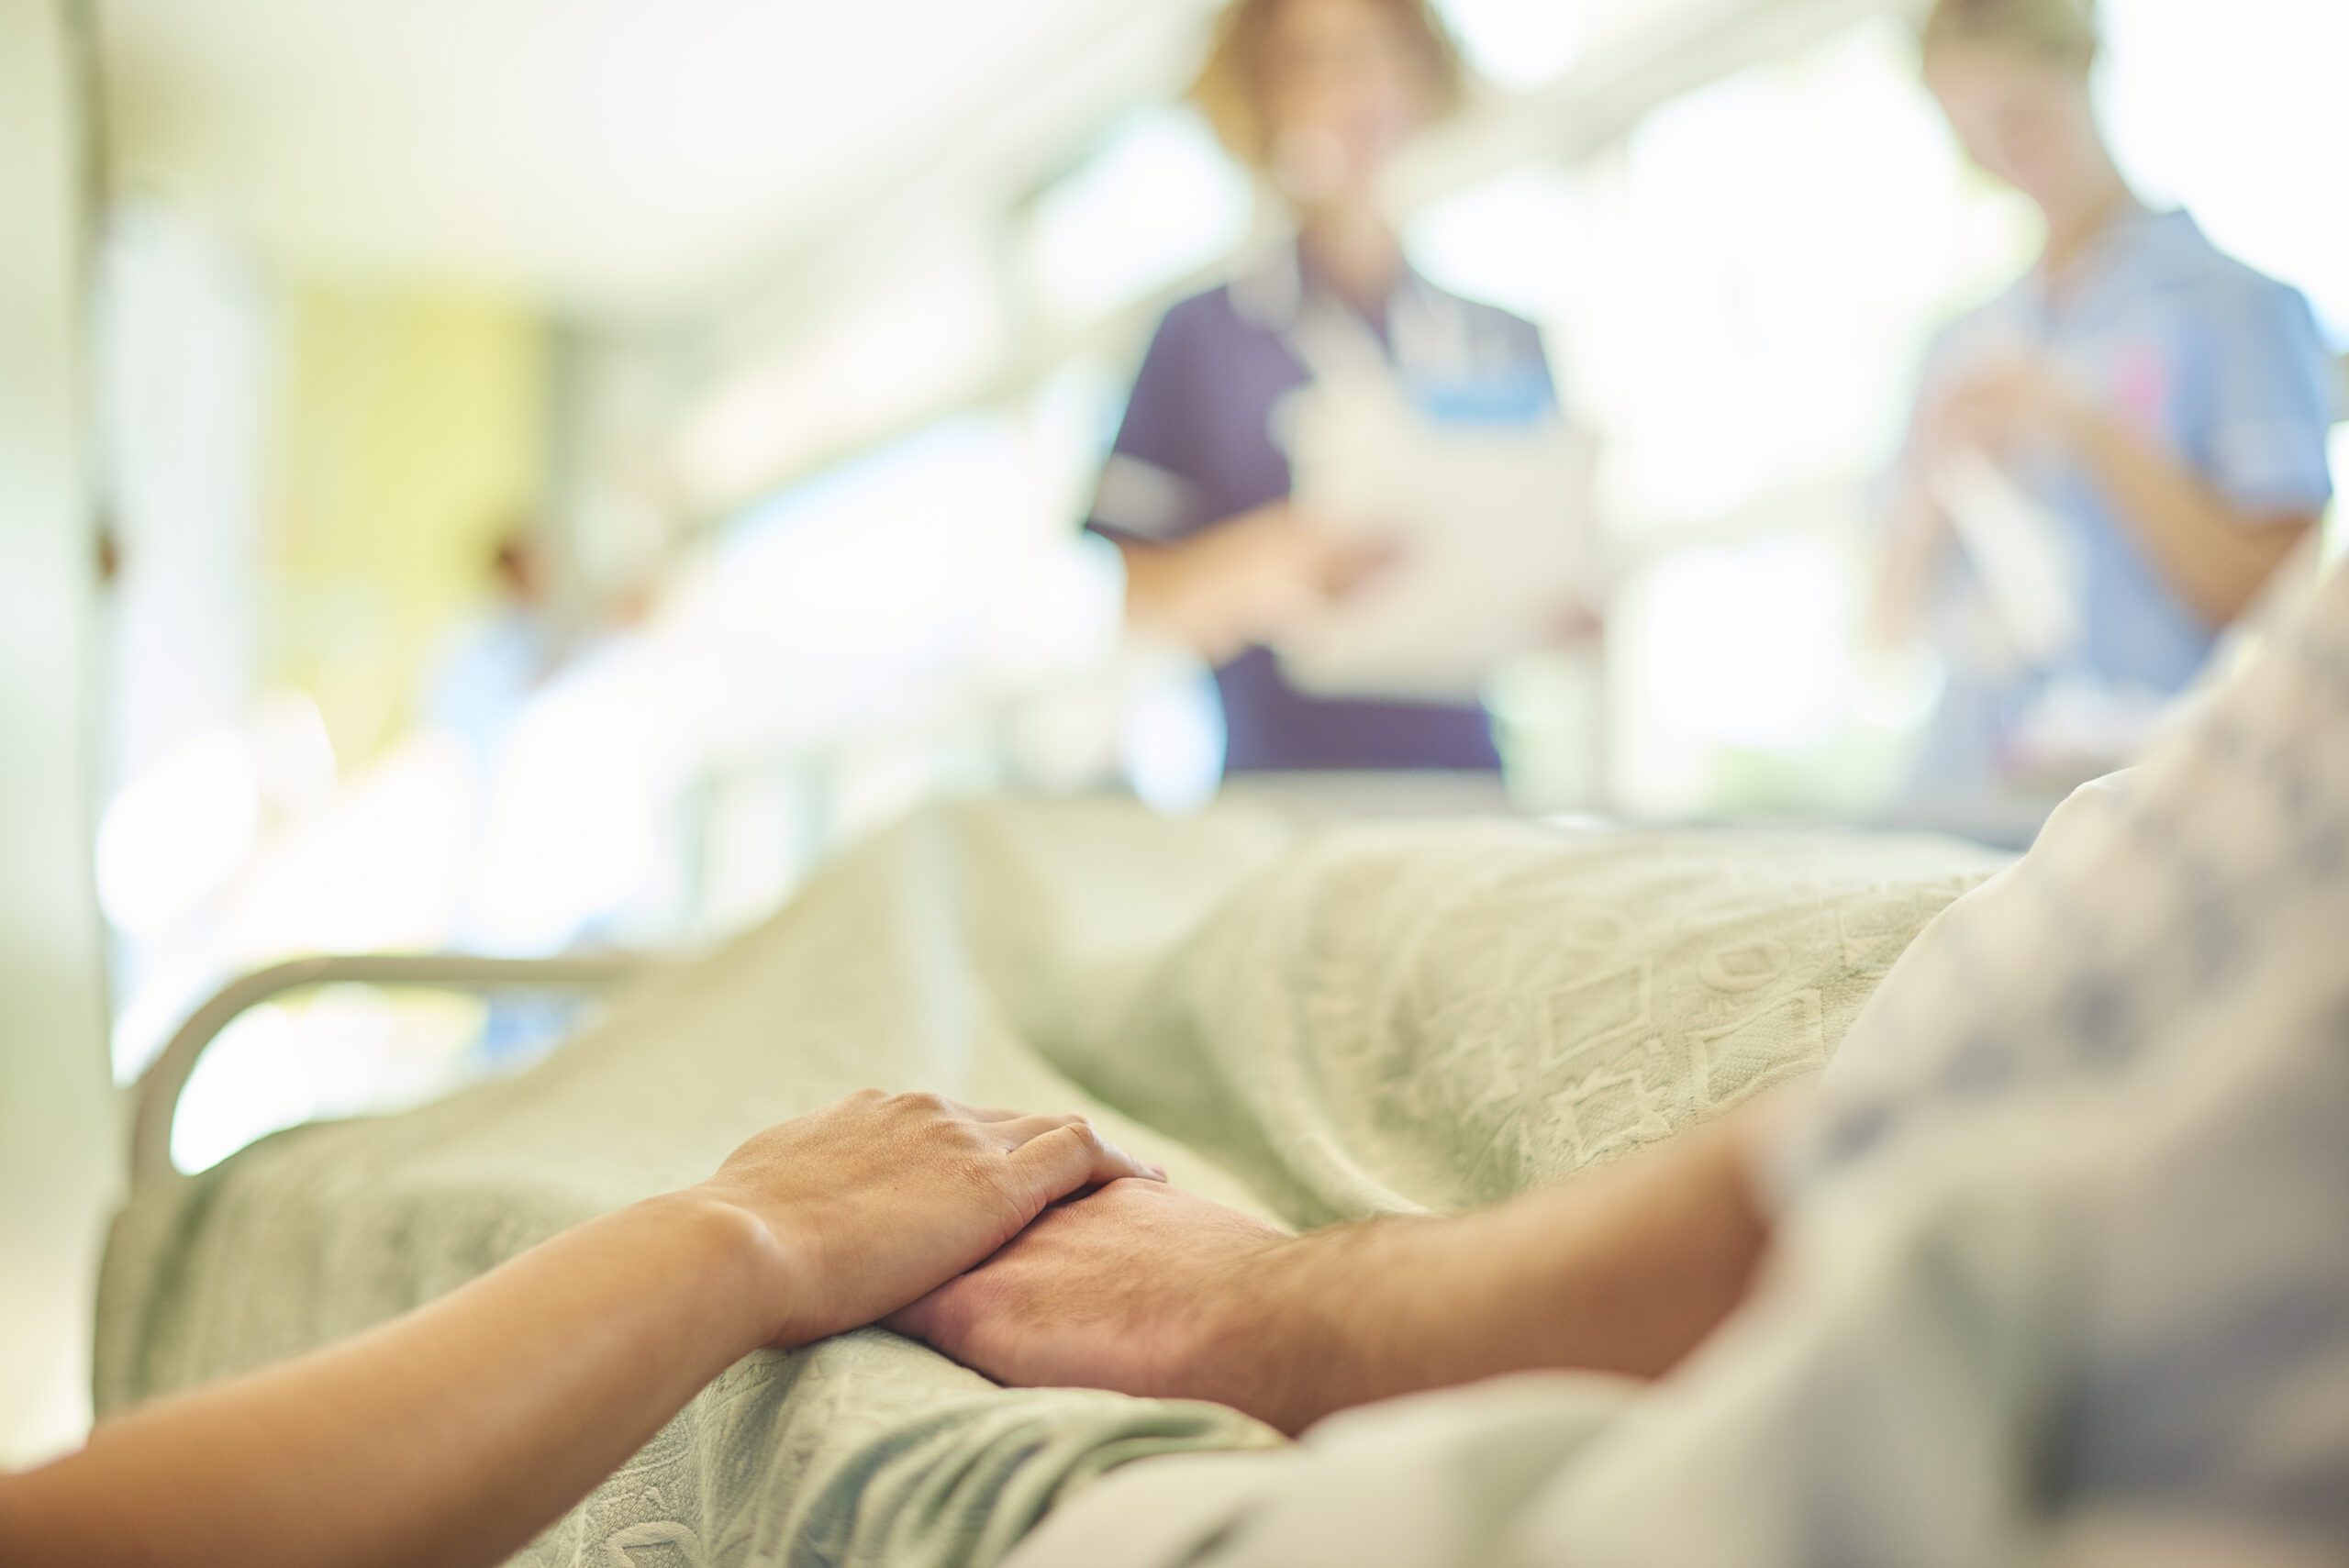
2018,551
1489,524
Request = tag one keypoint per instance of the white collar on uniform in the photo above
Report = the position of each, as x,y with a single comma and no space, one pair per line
1268,293
1429,331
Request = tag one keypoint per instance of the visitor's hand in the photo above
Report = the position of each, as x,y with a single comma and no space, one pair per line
1139,1288
1247,579
458,1433
867,1204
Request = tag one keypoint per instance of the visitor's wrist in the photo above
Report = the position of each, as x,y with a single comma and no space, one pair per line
748,1272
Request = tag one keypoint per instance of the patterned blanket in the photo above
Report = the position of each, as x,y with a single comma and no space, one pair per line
1318,1025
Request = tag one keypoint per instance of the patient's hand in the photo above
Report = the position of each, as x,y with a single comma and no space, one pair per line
1147,1290
865,1205
1131,1289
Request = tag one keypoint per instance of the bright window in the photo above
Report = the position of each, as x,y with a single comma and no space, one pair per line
1159,201
2234,111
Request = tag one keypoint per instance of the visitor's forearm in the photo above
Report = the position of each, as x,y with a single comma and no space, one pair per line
2215,556
1625,1270
450,1437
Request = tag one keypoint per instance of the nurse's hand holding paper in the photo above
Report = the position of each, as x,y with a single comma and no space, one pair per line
1249,580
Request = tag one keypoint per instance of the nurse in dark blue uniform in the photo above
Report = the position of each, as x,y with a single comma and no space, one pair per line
1317,95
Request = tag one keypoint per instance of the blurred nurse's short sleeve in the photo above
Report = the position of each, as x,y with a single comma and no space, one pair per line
2271,402
1149,488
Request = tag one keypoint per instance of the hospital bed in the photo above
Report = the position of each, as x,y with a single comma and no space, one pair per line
1312,1022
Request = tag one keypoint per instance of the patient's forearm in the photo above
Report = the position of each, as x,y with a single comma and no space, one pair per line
451,1437
1626,1270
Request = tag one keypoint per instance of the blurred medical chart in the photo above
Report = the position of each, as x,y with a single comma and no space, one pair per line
1488,526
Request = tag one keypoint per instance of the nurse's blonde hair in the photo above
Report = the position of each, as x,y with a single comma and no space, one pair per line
2062,32
1230,86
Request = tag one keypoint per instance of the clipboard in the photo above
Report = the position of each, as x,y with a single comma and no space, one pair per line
1490,524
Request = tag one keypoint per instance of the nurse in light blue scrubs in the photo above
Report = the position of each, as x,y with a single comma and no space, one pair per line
2167,406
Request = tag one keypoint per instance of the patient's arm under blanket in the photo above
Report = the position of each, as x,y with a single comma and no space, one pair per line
1316,1026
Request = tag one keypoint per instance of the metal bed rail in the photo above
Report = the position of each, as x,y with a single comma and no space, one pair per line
156,1097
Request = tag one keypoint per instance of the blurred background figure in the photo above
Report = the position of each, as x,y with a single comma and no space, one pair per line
1318,97
2112,459
492,663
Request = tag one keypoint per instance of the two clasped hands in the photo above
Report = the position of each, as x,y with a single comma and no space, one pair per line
1030,1249
1024,1245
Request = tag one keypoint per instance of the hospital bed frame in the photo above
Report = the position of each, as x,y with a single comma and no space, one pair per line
156,1098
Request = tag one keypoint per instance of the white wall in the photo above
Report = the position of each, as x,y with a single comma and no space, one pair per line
57,1119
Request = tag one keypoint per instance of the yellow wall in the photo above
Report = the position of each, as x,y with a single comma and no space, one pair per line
410,435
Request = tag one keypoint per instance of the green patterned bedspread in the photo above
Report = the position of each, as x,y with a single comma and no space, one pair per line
1318,1026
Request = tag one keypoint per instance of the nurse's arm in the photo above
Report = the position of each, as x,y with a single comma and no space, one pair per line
2216,556
454,1435
1243,580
